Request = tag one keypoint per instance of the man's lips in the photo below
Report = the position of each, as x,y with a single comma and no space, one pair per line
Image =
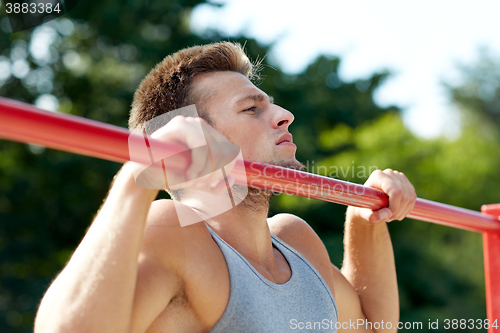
285,138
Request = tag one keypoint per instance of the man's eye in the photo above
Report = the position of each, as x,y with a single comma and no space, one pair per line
252,109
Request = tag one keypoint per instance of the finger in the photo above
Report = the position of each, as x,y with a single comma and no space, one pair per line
224,156
217,187
231,180
200,163
395,195
216,178
381,215
400,191
410,195
220,151
195,140
182,130
220,188
397,190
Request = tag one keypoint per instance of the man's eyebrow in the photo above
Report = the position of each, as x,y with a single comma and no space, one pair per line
256,97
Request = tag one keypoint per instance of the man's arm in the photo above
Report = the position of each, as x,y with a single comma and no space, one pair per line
112,283
368,255
95,291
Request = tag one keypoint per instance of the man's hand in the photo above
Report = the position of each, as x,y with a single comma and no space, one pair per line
210,151
401,195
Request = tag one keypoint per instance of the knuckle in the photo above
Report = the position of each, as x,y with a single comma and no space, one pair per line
406,197
376,174
178,119
395,192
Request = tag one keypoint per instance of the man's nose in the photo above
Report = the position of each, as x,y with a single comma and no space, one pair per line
283,117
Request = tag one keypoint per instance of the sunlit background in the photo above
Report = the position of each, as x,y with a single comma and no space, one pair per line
421,42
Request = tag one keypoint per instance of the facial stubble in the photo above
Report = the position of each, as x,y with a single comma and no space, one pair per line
257,199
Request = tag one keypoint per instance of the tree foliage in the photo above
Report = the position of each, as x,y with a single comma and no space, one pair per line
478,94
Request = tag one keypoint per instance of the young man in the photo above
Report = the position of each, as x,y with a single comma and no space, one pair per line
138,270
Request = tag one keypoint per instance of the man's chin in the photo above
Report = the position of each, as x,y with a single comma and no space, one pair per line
257,199
290,164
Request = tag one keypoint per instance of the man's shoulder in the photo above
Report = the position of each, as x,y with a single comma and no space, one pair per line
288,226
163,214
167,240
296,232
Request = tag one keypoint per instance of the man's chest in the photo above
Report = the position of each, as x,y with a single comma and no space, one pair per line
203,297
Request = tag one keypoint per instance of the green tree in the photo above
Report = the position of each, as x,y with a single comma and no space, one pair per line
478,94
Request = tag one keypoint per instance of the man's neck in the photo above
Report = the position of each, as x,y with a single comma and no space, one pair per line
246,230
245,227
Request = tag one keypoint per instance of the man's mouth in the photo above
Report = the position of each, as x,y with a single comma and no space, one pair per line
285,138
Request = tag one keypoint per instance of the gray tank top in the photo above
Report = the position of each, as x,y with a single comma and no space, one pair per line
256,305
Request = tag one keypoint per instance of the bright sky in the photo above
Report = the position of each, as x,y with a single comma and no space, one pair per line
420,42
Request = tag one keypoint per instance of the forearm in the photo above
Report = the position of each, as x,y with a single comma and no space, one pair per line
369,267
95,290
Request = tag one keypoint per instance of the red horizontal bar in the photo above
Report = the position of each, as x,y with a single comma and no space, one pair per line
308,185
25,123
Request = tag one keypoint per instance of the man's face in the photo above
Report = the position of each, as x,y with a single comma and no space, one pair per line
246,116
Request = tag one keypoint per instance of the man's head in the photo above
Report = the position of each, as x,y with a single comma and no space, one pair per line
217,78
247,116
170,85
